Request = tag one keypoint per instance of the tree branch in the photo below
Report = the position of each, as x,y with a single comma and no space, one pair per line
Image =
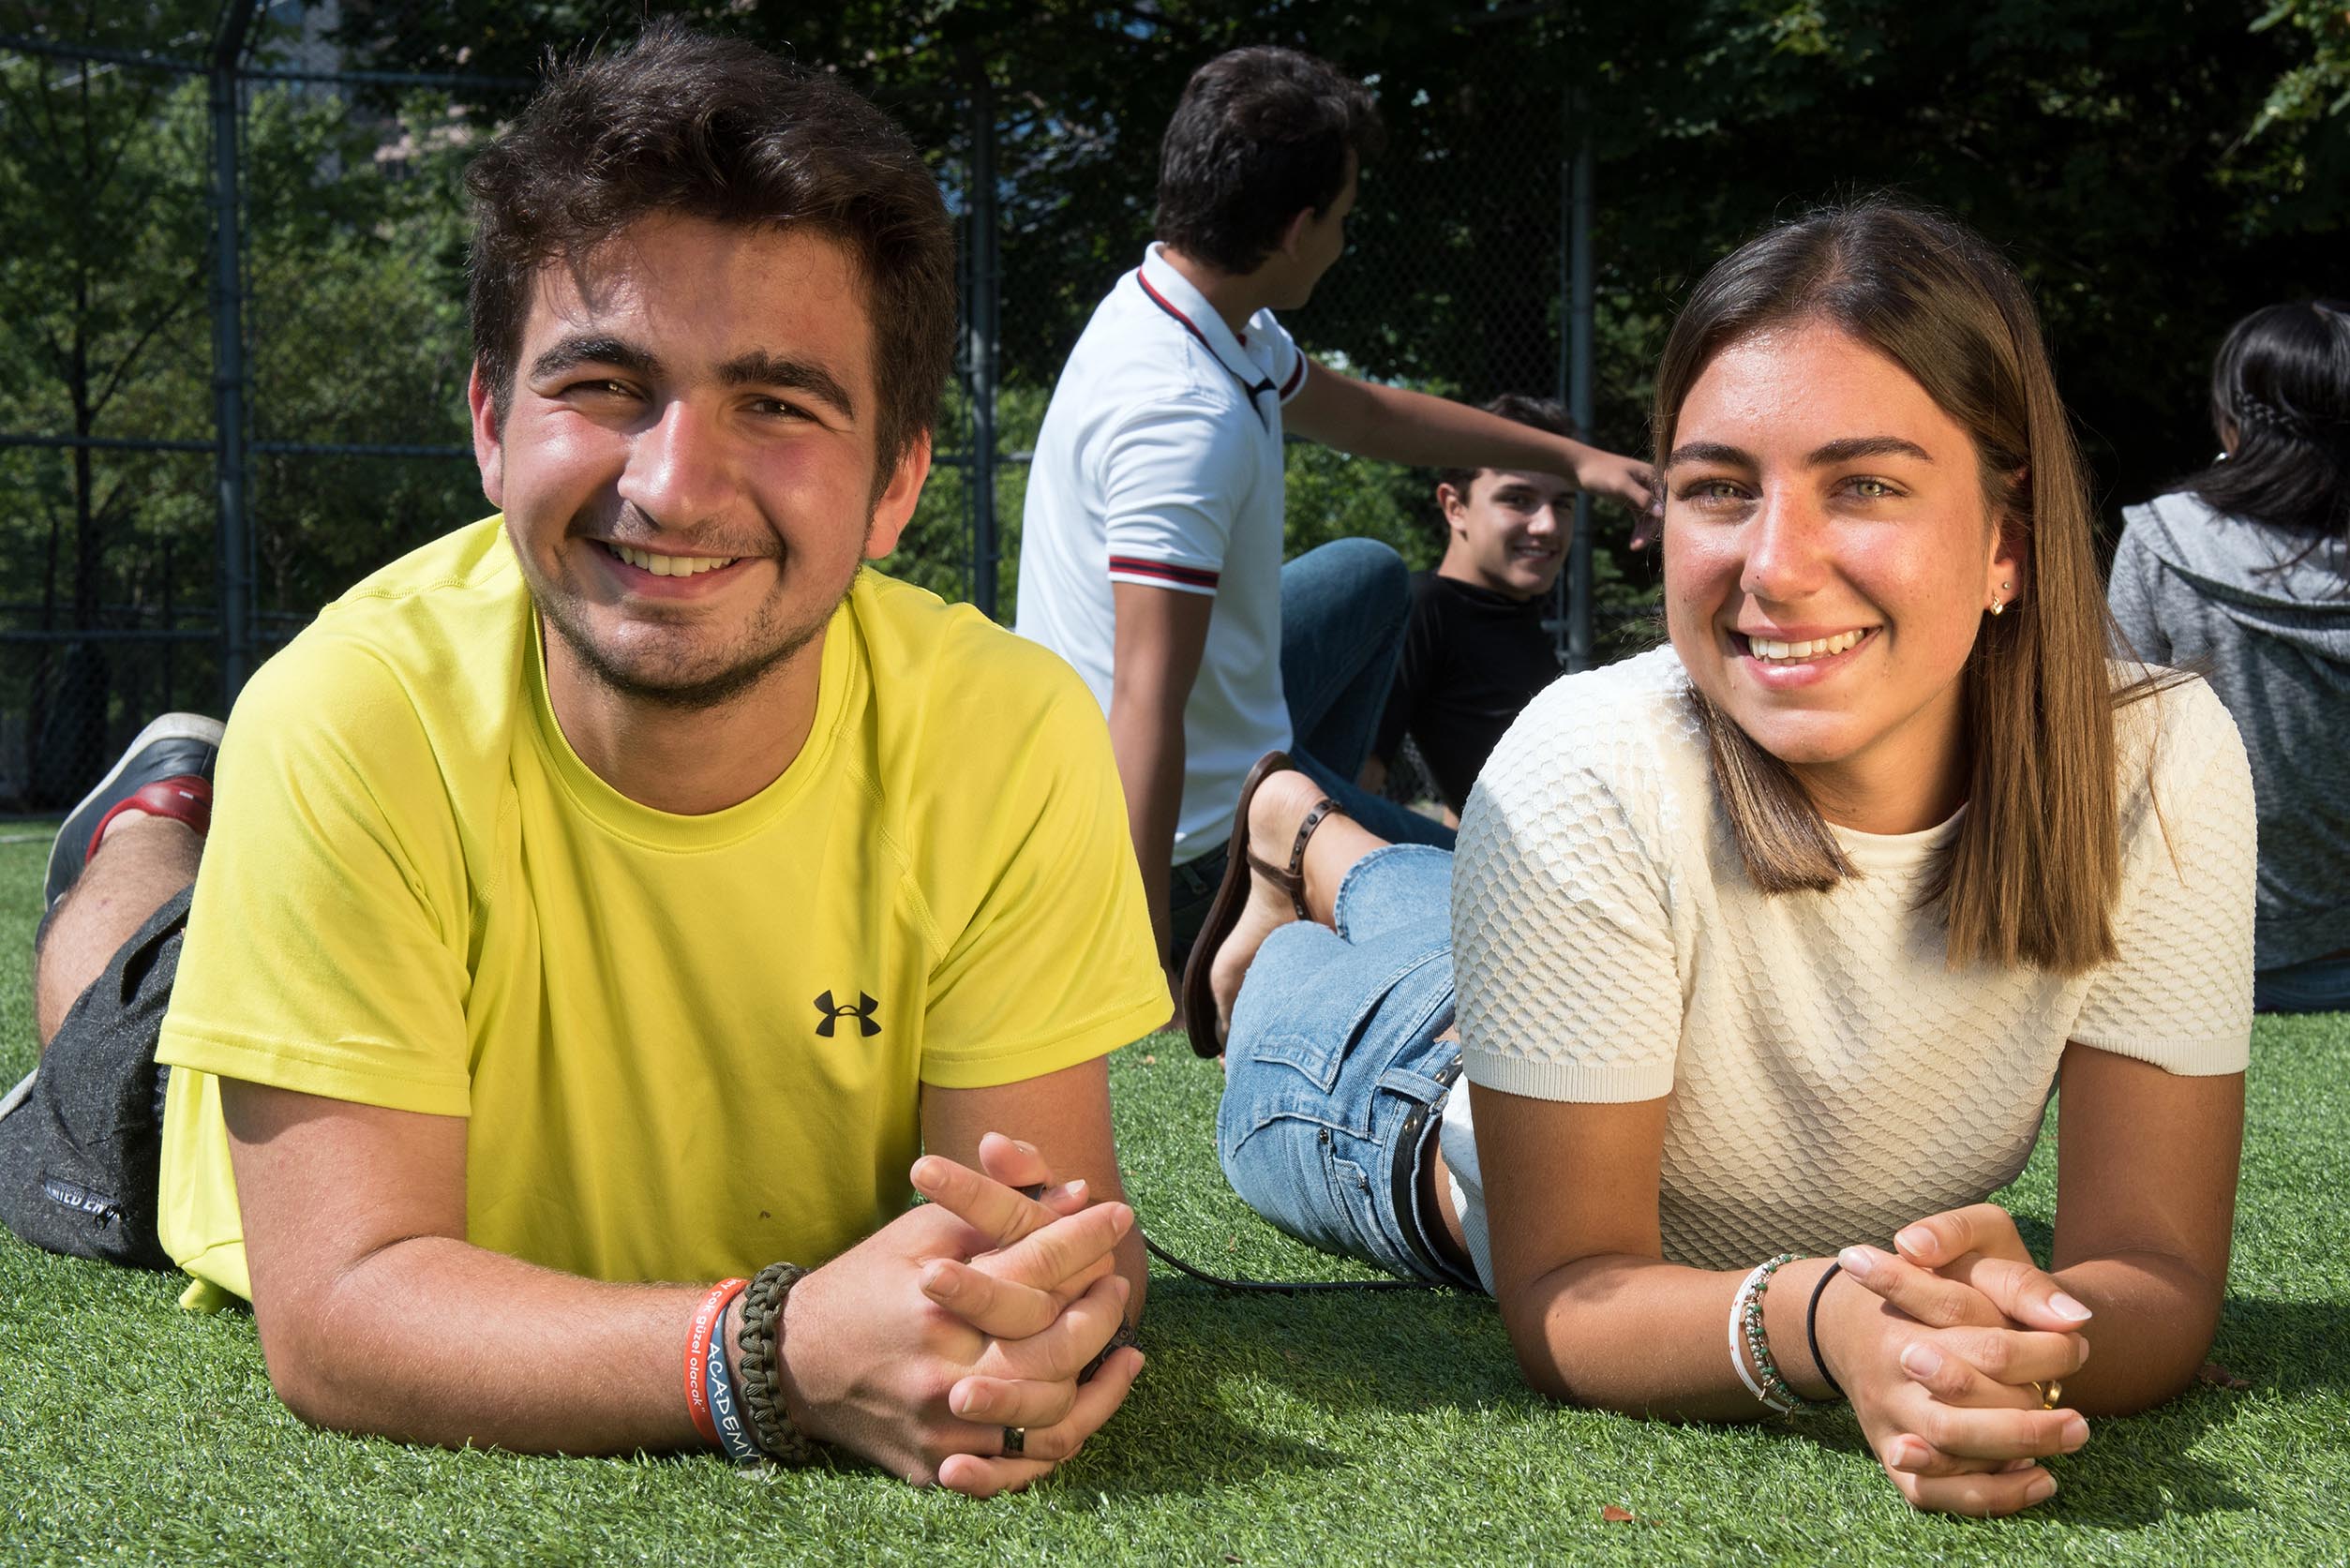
138,125
130,355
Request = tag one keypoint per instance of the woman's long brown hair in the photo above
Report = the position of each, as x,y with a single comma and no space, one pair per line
2034,870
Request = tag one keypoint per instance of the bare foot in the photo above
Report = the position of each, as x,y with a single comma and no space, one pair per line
1275,811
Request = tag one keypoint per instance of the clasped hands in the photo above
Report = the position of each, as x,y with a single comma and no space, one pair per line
966,1316
1945,1367
977,1311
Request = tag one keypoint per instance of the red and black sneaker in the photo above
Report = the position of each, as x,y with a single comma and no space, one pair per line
166,772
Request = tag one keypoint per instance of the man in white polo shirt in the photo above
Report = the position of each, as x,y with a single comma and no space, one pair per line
1151,550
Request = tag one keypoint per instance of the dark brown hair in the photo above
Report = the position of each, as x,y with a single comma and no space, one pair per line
1542,413
684,124
1259,135
2035,867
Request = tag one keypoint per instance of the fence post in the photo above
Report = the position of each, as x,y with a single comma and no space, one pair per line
1556,622
234,520
986,282
1580,642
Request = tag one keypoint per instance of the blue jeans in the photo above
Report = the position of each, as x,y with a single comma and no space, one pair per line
2314,985
1343,608
1335,1083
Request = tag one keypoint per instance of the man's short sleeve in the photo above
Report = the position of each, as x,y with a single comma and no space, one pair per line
1289,366
1172,479
325,952
1055,965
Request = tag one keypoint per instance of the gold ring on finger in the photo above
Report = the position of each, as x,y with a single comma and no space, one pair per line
2051,1393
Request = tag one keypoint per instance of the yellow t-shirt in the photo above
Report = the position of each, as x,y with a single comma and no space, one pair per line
686,1046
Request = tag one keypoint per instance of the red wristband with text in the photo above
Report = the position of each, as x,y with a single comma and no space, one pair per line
705,1318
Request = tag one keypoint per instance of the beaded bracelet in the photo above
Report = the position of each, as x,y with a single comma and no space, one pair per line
1748,1289
1746,1323
760,1338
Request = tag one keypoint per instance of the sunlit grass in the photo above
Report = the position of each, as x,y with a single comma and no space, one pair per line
1266,1431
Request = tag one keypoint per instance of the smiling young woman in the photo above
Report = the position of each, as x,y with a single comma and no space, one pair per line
2034,870
1771,946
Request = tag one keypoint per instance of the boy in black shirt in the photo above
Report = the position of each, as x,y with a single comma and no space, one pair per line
1474,652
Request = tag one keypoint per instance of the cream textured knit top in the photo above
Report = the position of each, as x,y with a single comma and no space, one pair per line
1829,1079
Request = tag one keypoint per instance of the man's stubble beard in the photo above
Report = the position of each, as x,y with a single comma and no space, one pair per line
694,695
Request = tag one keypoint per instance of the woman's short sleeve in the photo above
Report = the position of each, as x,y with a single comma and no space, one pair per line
1563,952
2179,993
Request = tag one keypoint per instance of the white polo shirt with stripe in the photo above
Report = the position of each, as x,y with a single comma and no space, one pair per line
1159,463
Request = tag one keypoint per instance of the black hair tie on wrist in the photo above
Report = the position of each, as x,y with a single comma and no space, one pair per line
1811,1329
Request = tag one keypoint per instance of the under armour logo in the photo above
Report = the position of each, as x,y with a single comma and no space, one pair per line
862,1012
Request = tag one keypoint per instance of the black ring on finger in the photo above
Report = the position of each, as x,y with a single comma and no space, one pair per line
1015,1440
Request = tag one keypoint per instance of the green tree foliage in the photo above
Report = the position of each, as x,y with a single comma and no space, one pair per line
101,313
2158,171
2297,149
355,331
102,284
355,310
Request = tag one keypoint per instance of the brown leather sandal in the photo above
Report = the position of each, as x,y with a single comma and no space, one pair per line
1231,897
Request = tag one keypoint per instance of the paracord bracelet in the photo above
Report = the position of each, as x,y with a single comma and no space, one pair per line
760,1339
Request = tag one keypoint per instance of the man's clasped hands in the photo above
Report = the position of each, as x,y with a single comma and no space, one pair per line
948,1345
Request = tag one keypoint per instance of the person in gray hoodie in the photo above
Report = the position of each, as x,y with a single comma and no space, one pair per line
2244,574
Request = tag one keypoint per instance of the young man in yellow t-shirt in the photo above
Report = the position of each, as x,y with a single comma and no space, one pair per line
629,887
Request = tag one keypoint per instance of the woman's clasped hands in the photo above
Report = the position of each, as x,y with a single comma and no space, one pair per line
1953,1350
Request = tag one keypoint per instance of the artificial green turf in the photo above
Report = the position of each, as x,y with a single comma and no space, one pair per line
1267,1429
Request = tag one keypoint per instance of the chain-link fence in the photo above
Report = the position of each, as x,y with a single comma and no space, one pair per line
235,300
222,414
